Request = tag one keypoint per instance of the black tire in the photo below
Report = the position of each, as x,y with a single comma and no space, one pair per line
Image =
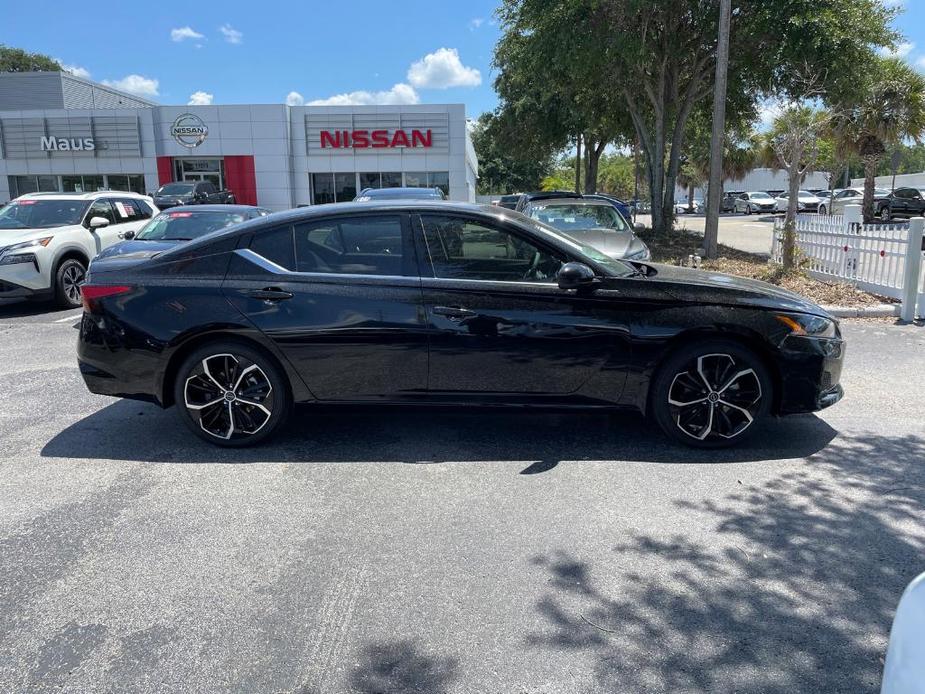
728,413
68,276
748,209
822,210
261,401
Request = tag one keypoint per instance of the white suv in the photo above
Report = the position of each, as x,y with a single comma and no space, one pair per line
48,239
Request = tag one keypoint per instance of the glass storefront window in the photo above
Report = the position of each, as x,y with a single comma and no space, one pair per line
21,185
391,179
416,180
322,188
48,184
439,179
345,187
82,184
369,180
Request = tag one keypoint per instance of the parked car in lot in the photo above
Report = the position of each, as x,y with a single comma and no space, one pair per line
806,202
48,239
179,225
683,207
902,203
755,202
592,222
526,198
376,194
728,203
850,196
509,201
444,304
191,193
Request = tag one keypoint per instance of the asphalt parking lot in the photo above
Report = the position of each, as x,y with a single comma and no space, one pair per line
750,233
420,551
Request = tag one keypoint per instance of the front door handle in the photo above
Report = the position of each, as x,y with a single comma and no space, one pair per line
269,294
452,312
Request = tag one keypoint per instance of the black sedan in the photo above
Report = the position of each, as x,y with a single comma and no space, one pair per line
446,304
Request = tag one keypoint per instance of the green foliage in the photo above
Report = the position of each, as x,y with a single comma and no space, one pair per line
616,175
18,60
502,168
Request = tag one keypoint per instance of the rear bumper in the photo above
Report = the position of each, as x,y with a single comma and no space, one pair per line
109,367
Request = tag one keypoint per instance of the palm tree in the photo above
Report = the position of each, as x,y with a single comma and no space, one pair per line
886,108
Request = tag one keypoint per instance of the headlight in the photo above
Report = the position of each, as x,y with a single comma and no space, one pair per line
34,243
638,254
808,326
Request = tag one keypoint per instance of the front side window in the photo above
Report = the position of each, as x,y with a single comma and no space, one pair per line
464,249
100,208
350,245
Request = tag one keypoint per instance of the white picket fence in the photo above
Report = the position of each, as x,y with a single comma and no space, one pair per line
873,257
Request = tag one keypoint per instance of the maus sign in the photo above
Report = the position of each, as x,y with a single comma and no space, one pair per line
68,144
361,139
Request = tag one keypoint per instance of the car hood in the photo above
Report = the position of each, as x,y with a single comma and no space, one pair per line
133,251
699,286
616,244
9,237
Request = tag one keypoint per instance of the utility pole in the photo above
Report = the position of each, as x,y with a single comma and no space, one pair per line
711,231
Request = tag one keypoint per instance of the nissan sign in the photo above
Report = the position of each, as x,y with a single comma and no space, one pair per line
189,130
360,139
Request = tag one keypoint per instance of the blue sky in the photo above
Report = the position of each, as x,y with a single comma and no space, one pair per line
434,51
247,52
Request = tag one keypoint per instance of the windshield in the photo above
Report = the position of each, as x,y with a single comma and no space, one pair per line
578,217
760,196
42,214
175,189
184,226
881,192
806,194
614,268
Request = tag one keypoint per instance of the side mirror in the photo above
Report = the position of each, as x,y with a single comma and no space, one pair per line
128,235
575,275
98,222
639,226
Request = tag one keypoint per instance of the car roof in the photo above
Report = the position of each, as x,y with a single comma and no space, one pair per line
373,192
81,196
584,200
213,208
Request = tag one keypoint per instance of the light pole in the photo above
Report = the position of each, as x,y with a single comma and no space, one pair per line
711,230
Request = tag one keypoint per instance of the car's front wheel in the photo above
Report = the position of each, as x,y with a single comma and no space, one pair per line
230,394
748,209
822,209
711,394
68,278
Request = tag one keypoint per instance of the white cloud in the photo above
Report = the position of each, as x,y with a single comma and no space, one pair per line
200,99
75,70
442,69
900,51
475,23
294,99
399,94
135,84
231,35
183,33
768,111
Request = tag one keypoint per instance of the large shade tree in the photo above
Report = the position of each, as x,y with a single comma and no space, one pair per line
656,60
882,108
18,60
502,168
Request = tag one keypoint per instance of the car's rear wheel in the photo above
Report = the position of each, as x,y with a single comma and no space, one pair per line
822,209
711,394
748,209
885,213
68,277
230,394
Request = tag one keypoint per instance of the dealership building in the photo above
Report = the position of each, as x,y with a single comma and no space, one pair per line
59,132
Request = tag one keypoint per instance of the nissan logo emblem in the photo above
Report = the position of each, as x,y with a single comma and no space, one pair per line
189,130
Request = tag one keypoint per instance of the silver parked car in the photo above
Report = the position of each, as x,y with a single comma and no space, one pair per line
806,201
849,196
596,223
754,202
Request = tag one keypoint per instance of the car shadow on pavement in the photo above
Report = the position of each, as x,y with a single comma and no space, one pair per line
786,585
134,431
24,309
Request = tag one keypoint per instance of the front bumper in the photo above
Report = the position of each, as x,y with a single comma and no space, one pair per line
810,374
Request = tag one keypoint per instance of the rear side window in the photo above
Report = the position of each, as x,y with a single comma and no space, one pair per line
276,246
352,246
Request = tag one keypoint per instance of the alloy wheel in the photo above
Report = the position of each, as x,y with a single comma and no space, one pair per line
715,397
230,396
71,279
885,214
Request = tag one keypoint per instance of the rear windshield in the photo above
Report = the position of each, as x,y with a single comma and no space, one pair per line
42,214
176,189
400,194
184,226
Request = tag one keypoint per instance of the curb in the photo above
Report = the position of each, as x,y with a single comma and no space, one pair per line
878,311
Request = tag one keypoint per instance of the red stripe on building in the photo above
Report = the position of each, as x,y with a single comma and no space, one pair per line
240,178
164,170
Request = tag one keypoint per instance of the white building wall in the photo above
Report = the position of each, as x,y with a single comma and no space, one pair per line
759,179
914,180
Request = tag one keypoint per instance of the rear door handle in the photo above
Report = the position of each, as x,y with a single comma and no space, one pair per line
268,294
452,312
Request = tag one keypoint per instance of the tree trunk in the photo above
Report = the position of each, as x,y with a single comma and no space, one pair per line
788,251
690,198
593,152
870,172
578,165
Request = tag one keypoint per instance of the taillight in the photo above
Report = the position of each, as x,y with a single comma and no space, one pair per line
90,293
